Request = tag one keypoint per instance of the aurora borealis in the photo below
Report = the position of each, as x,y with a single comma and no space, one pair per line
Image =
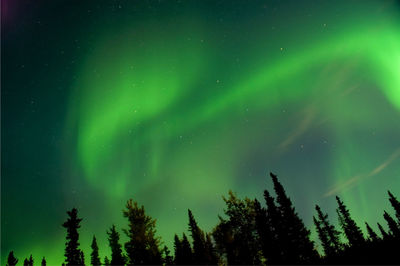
173,103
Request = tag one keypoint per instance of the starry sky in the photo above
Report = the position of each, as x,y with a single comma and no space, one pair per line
173,103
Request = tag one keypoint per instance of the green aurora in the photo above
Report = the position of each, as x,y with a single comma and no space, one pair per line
173,104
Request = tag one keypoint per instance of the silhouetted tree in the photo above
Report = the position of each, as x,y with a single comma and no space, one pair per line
94,256
183,251
143,245
371,233
167,258
11,260
28,262
395,204
117,258
393,226
199,250
328,235
298,246
269,228
73,255
44,261
351,230
106,261
236,237
384,234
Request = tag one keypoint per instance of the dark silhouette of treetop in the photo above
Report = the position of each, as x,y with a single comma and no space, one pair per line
143,245
351,230
73,255
11,260
247,233
94,256
117,258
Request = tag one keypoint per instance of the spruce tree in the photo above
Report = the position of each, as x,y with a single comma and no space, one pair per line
178,250
187,253
199,252
73,255
328,235
117,258
384,234
168,259
44,261
274,242
143,245
11,260
395,204
373,237
351,230
393,226
94,256
299,247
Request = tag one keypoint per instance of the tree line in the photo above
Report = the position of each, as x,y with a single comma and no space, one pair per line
250,233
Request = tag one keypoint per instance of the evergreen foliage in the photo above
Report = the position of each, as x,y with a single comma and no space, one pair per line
94,256
117,258
73,255
143,245
351,230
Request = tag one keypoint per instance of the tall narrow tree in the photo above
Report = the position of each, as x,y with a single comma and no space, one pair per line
44,261
371,233
117,258
393,226
299,247
94,256
395,204
143,245
351,230
329,236
73,255
199,252
384,234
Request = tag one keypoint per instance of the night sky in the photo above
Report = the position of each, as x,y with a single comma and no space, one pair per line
173,103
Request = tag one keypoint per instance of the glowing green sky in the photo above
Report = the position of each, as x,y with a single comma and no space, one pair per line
174,103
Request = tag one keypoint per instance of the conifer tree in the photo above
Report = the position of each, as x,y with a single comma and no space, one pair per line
94,256
395,204
199,251
393,226
178,250
328,235
73,255
44,261
371,233
299,247
11,260
187,252
236,236
117,258
168,259
274,240
384,234
143,245
351,230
